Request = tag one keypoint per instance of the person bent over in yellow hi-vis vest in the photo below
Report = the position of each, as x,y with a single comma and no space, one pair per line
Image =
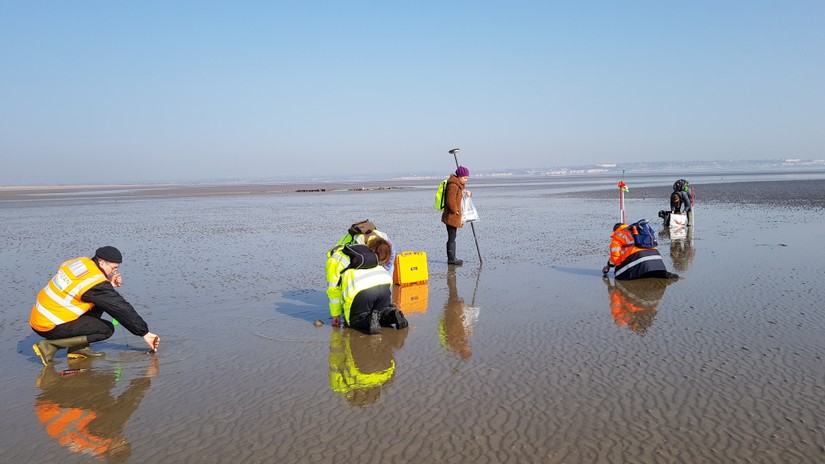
363,292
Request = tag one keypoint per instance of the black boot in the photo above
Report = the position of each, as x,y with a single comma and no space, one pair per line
392,316
451,259
375,322
400,320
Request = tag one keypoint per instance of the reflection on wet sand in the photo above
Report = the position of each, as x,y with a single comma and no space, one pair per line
681,246
456,325
732,371
77,409
361,365
633,303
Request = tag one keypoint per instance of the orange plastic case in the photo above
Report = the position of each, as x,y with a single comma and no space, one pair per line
410,268
412,298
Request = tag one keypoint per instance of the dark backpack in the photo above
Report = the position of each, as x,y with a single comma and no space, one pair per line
360,257
363,227
643,235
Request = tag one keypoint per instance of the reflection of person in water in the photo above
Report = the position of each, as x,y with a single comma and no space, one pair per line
681,247
681,251
78,411
360,365
633,303
456,325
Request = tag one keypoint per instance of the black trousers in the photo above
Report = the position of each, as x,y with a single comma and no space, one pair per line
367,301
451,233
90,324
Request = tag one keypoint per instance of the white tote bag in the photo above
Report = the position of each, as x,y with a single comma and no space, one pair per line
468,210
678,221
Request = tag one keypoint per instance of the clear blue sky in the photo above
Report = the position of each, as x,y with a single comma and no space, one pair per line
146,91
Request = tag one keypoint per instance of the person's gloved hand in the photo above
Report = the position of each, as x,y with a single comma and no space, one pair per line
605,270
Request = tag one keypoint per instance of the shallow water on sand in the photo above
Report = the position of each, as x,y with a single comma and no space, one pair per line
532,357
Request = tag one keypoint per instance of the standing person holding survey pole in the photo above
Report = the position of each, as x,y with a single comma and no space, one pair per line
68,310
452,216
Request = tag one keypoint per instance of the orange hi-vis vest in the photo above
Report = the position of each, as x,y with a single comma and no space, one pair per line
622,245
59,302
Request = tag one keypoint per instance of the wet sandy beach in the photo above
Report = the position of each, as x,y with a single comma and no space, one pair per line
530,357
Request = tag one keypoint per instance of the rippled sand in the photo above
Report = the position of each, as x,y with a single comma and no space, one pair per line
532,357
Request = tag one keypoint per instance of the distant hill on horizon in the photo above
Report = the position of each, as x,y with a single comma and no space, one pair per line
659,167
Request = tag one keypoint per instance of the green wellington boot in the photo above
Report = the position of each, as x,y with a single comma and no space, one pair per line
83,351
46,349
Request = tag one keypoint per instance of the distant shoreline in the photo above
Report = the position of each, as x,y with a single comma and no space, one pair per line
133,191
589,186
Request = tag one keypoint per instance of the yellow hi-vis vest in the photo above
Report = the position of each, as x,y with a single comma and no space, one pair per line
356,280
337,261
59,302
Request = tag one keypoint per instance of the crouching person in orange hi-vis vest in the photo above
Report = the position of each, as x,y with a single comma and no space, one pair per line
364,288
67,313
633,262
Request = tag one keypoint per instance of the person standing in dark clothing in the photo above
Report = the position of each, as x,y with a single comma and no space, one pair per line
68,310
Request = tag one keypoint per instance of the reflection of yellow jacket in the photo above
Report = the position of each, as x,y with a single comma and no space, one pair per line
357,368
59,301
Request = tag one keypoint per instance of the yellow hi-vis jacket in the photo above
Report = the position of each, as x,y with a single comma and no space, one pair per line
59,302
357,280
337,261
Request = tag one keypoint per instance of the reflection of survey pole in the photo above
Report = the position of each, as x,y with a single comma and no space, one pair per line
473,302
454,152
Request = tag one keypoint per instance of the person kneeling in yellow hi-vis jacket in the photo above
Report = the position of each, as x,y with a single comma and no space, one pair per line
68,310
360,288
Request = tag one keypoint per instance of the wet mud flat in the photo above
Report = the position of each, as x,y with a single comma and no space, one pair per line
530,357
